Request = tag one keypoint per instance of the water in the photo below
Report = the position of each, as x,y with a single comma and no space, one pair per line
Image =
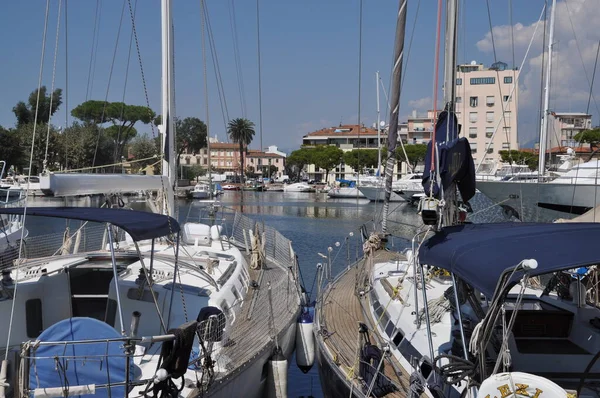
313,223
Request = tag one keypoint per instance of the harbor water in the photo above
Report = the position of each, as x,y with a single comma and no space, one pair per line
322,231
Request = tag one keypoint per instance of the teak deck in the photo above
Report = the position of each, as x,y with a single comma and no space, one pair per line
342,311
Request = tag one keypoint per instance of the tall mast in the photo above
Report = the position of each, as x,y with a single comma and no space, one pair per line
450,55
394,107
204,15
378,127
169,164
544,127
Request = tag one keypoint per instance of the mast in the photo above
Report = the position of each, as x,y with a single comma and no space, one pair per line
395,104
169,163
378,126
544,127
204,15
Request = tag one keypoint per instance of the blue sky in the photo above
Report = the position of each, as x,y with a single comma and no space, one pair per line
309,58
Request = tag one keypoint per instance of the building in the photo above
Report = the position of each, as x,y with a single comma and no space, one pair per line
224,157
262,162
487,108
564,126
419,128
347,138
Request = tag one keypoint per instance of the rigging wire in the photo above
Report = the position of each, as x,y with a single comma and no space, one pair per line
112,64
35,119
217,69
237,59
56,42
66,81
360,22
260,121
436,80
203,27
581,56
587,109
95,37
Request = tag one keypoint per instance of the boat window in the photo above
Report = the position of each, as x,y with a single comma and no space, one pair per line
33,320
378,310
389,329
383,319
398,337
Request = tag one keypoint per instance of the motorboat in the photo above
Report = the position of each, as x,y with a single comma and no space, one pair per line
298,187
201,191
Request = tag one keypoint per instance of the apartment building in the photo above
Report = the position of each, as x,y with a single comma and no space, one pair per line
347,138
261,162
487,108
564,126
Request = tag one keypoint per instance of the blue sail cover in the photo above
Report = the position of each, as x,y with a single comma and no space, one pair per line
455,159
479,253
139,224
82,364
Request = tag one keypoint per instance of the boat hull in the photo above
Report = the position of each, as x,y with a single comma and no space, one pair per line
534,201
345,193
377,194
333,382
200,195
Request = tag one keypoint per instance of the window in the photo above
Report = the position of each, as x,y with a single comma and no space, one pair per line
458,115
473,101
491,147
473,117
508,80
473,147
459,81
482,80
489,100
489,116
472,132
458,100
205,151
507,98
489,132
506,131
506,145
205,161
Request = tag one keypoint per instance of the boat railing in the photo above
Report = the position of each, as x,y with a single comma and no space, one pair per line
11,197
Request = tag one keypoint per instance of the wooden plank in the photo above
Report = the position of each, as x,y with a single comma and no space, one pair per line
342,311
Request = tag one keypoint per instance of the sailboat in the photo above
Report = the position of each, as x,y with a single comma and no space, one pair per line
478,310
134,303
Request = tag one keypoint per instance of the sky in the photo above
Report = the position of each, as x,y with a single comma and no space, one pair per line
309,58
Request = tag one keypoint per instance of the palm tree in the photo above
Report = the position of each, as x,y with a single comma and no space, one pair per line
241,130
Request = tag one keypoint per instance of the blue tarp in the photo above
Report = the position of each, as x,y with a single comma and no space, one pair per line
455,159
139,224
92,366
479,253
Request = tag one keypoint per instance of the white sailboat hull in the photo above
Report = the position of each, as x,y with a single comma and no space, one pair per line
377,194
98,184
534,201
345,193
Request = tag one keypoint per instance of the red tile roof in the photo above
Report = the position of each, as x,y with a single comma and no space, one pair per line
353,131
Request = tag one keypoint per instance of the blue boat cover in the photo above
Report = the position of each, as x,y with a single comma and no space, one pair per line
455,159
479,253
139,224
92,366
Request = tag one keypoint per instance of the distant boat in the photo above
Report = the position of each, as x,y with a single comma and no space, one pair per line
298,187
201,191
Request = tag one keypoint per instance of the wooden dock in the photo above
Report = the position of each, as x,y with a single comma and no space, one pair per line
342,312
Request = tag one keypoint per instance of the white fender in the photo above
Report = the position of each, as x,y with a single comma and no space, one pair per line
277,377
305,342
518,385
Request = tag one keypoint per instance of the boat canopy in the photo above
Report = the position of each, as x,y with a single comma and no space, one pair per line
139,225
479,253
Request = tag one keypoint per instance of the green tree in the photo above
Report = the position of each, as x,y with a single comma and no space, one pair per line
519,157
591,137
241,131
54,149
25,112
358,159
11,150
191,135
297,160
327,157
122,116
142,148
415,153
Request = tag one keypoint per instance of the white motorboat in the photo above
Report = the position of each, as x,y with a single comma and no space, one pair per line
298,187
201,191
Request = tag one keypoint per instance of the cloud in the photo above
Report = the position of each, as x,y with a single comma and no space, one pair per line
421,104
576,38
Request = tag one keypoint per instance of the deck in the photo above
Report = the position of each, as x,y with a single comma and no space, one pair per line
342,311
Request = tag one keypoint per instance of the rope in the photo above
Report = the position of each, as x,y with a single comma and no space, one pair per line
437,309
45,162
37,106
456,370
260,125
